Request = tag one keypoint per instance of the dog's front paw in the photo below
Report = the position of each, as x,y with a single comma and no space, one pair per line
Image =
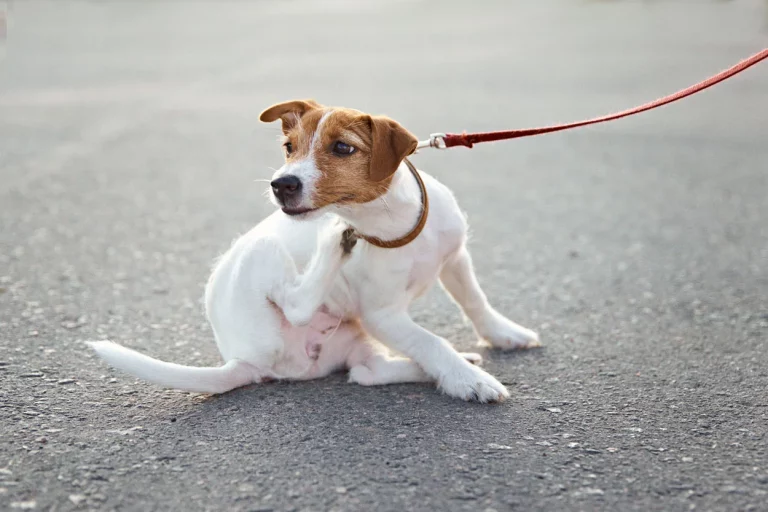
473,385
507,335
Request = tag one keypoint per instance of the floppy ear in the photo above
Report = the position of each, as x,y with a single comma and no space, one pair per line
390,144
282,110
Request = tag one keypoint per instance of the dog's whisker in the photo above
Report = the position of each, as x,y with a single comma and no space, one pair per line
266,194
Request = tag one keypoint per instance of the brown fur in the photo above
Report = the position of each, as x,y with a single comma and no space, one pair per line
391,143
380,143
280,111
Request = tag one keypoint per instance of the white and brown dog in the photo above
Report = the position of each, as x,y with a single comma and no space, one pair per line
343,169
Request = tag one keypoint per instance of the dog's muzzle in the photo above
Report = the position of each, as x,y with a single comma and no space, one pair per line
288,193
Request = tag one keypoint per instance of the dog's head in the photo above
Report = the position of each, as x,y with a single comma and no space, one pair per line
334,156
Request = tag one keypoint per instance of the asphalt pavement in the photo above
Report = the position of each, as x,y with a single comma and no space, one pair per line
130,154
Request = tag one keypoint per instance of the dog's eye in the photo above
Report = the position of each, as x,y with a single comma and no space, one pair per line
343,149
288,148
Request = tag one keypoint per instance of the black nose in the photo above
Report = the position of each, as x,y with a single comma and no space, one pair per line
286,187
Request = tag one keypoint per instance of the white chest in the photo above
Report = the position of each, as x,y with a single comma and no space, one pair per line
390,276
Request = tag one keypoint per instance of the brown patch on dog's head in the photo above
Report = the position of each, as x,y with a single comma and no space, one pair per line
341,155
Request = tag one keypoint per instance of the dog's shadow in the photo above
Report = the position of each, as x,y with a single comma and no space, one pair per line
390,434
334,406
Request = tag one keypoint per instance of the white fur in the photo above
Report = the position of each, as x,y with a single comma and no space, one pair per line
316,136
357,302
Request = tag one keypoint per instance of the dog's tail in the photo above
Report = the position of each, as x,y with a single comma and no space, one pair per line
233,374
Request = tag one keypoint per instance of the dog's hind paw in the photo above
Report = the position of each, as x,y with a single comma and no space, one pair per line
348,240
507,335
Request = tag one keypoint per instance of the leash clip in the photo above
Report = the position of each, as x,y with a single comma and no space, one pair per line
436,140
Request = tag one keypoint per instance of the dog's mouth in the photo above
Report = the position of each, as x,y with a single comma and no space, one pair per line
293,212
298,212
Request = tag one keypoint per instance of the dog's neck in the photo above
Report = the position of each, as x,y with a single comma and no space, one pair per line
393,214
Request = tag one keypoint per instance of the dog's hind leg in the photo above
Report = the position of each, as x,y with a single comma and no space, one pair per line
302,296
380,369
383,369
256,286
458,278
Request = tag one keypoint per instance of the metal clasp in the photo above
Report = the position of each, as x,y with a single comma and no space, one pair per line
436,140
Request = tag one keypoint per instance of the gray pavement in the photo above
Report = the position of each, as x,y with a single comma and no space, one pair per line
129,150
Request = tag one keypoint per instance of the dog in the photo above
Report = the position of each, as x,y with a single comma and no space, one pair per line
369,234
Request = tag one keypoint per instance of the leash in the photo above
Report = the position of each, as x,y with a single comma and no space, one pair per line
449,140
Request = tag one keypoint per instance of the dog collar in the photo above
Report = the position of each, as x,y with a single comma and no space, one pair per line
410,236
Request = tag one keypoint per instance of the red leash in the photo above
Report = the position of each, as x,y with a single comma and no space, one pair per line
448,140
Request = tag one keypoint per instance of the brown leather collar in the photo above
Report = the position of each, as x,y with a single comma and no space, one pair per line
411,235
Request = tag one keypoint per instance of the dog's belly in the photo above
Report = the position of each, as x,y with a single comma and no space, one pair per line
342,301
315,350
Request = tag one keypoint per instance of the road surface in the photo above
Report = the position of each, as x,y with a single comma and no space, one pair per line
129,156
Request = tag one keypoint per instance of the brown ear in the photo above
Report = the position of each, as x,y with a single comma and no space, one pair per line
390,144
279,111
